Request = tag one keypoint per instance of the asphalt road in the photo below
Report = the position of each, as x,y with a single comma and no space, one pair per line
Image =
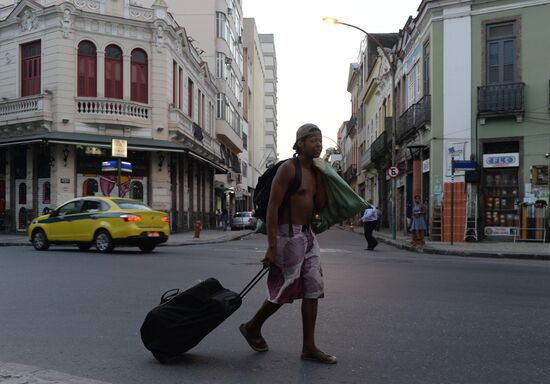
389,316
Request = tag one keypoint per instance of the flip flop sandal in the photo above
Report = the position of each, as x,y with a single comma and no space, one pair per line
319,357
256,343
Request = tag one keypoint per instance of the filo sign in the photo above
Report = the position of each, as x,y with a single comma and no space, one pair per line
501,160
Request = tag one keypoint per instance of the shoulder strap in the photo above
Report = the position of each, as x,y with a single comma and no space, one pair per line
296,182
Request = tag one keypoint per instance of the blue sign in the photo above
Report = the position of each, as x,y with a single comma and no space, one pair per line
465,165
112,166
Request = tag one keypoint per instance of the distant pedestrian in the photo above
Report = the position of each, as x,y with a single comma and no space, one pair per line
370,221
225,218
218,219
418,223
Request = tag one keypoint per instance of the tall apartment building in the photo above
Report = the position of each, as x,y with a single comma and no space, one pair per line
255,99
215,29
270,98
76,74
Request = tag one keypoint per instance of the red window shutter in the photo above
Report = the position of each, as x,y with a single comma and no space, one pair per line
87,70
113,72
30,69
138,77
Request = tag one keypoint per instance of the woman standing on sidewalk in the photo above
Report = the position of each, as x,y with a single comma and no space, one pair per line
418,223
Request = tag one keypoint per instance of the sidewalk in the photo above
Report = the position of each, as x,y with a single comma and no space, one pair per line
208,236
490,249
519,250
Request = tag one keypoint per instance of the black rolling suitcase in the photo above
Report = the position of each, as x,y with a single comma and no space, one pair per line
183,319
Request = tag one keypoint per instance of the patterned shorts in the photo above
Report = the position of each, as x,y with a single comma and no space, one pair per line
296,273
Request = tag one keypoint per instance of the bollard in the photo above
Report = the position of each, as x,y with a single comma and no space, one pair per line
198,228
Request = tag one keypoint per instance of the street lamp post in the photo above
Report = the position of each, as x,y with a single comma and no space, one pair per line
392,64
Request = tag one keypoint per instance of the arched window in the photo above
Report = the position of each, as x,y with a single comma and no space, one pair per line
87,69
90,187
139,83
113,72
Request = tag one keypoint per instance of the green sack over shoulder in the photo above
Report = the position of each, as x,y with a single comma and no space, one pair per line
342,201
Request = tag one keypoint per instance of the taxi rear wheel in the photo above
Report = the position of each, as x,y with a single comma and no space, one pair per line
39,240
103,241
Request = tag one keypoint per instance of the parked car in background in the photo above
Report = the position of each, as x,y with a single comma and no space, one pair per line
243,220
102,222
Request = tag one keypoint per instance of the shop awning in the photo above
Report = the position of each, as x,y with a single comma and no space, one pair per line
134,143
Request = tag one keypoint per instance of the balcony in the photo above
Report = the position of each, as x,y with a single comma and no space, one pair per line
501,100
366,159
227,135
113,111
417,116
379,147
26,110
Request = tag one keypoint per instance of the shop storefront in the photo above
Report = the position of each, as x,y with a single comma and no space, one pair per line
500,189
92,181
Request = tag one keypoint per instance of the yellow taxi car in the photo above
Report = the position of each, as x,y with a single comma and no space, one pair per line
103,222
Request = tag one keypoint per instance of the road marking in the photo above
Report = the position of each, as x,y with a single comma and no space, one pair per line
27,374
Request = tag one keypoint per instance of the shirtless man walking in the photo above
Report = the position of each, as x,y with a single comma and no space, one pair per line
295,268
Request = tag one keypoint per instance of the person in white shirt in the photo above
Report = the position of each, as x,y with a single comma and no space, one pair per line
370,220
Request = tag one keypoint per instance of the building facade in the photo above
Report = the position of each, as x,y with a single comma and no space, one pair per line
472,116
215,28
271,155
75,75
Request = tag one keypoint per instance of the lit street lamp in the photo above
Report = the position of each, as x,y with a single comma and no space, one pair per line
392,63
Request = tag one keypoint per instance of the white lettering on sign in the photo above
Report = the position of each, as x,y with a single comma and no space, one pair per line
393,172
501,160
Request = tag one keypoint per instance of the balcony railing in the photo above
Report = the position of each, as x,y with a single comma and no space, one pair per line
379,147
501,99
109,107
37,107
417,116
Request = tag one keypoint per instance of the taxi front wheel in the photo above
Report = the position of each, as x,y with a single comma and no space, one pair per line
103,241
39,240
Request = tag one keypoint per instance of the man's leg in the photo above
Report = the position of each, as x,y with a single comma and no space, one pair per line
252,330
309,317
309,348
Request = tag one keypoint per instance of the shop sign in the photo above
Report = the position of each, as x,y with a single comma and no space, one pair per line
65,180
500,231
426,166
119,148
501,160
95,151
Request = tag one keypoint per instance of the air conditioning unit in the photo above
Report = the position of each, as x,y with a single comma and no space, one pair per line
229,11
230,176
243,79
240,39
228,60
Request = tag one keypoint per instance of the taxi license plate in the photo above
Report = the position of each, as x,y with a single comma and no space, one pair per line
153,234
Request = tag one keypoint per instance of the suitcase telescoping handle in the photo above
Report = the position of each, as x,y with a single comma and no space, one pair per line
253,282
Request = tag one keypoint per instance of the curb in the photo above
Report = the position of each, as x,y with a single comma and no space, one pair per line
181,244
459,253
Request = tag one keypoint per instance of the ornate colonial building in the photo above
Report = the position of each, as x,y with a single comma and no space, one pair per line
76,74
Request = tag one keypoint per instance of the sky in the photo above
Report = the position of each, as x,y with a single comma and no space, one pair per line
313,57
